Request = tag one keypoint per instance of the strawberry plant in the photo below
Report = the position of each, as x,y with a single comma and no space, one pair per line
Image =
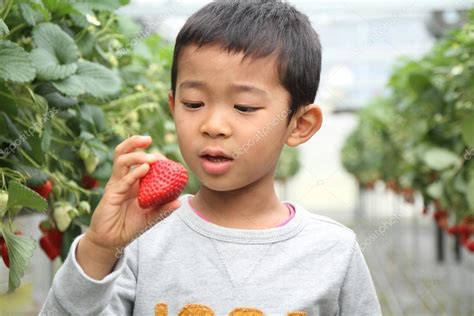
419,138
67,98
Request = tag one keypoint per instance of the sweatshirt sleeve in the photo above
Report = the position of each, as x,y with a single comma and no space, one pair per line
75,293
358,295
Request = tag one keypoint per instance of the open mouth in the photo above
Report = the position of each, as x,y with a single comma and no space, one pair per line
216,158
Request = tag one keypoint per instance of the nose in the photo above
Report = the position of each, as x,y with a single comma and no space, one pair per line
216,124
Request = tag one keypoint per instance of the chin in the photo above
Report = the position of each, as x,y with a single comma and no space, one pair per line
218,184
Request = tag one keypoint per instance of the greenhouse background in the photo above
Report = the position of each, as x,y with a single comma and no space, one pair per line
392,161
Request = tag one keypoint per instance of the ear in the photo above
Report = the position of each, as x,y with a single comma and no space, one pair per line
171,102
304,124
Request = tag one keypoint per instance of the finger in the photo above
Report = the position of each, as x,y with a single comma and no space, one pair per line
127,182
122,164
132,143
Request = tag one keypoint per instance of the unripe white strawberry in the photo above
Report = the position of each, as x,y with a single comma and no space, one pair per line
3,201
61,214
84,208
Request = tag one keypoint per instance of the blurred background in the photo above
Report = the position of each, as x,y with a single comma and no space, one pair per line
393,159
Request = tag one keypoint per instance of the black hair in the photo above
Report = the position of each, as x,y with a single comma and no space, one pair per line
259,28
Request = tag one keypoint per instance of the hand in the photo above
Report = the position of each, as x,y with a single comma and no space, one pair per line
118,219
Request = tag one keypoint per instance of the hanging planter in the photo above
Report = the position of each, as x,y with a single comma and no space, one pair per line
420,137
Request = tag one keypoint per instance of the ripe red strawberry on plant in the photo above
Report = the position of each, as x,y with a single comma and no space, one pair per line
163,183
51,241
44,189
49,248
439,214
4,251
453,230
89,182
464,229
469,244
45,226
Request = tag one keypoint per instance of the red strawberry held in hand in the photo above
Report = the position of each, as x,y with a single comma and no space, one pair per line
44,189
162,184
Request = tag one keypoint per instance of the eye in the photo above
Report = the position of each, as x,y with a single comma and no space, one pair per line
191,105
246,109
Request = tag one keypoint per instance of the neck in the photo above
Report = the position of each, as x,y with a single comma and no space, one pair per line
245,208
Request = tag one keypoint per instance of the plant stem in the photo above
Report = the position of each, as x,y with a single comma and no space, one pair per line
106,26
16,28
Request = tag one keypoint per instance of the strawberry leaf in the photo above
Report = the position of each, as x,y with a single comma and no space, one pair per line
439,158
15,63
20,195
28,14
20,249
3,28
56,53
470,197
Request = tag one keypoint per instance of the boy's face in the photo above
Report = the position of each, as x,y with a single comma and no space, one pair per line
218,118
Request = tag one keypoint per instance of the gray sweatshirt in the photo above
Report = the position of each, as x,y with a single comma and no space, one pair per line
184,265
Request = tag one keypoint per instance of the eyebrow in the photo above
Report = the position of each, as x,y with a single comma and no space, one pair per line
197,84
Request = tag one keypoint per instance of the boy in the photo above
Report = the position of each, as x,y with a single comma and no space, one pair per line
244,76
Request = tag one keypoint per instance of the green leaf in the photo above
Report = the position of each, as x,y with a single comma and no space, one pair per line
46,137
28,14
20,250
56,53
470,194
35,176
91,78
59,7
83,219
418,81
104,5
98,80
69,235
15,63
86,44
13,131
8,101
468,130
48,66
20,195
53,39
103,171
79,20
3,28
71,86
54,98
35,151
439,158
95,118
